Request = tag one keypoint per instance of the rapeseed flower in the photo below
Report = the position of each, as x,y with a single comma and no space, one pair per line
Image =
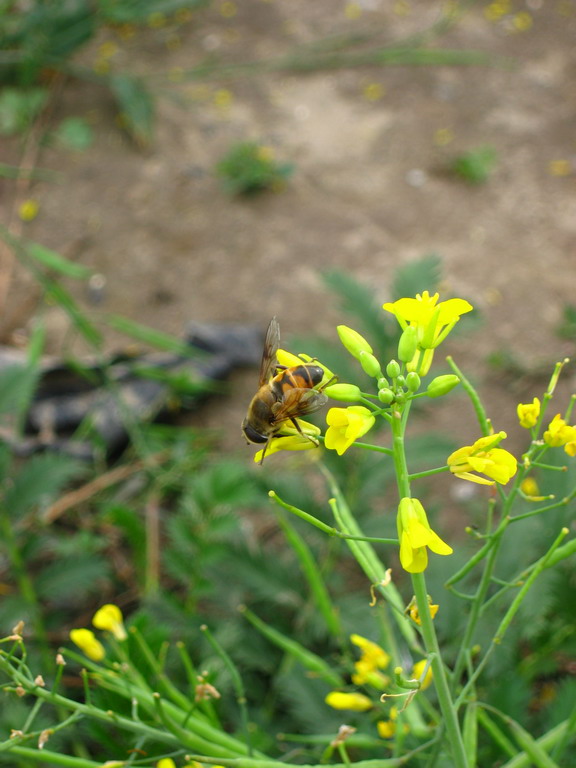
559,433
109,617
528,413
356,702
345,425
484,457
416,535
86,640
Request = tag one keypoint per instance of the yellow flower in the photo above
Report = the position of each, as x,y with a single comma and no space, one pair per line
290,439
414,614
386,729
559,433
372,659
110,617
418,671
434,322
371,652
88,644
356,702
528,413
28,210
346,425
415,535
529,488
166,762
484,457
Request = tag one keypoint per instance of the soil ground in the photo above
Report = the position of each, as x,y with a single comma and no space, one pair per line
371,147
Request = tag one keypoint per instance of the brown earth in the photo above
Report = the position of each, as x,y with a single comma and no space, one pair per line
370,188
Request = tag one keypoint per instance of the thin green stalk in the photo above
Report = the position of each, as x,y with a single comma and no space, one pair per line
474,397
552,737
447,708
236,681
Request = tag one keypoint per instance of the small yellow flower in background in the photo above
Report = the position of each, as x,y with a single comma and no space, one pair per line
157,20
496,10
402,8
559,168
530,489
353,11
86,640
559,433
109,617
522,21
28,210
345,425
418,671
373,658
166,762
223,98
228,9
386,728
356,702
415,535
107,50
414,614
483,457
528,413
373,92
371,652
443,136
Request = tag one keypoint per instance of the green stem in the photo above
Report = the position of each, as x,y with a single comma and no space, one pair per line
427,626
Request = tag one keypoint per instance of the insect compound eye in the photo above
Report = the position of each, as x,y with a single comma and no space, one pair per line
252,435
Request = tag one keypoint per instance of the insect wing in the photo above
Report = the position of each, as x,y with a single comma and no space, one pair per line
298,402
271,344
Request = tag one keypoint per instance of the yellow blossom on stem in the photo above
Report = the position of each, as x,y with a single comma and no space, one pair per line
386,728
356,702
559,433
484,457
433,321
345,425
528,413
289,439
418,671
414,613
86,640
109,617
416,535
371,652
166,762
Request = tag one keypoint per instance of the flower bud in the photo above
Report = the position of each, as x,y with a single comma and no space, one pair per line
413,381
400,398
407,344
392,369
386,396
400,381
382,383
348,393
353,341
370,364
441,385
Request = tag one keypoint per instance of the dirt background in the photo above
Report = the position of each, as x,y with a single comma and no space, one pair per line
370,189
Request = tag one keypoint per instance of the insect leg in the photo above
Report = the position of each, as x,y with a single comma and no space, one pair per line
308,437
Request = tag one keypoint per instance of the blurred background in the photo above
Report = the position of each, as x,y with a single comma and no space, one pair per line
165,164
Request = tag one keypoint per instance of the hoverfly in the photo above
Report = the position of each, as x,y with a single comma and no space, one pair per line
283,394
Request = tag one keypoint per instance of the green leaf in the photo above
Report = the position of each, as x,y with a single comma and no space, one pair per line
52,260
136,107
74,133
39,482
17,386
74,578
150,336
59,295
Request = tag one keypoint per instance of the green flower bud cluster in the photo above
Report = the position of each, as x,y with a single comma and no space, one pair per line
398,384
